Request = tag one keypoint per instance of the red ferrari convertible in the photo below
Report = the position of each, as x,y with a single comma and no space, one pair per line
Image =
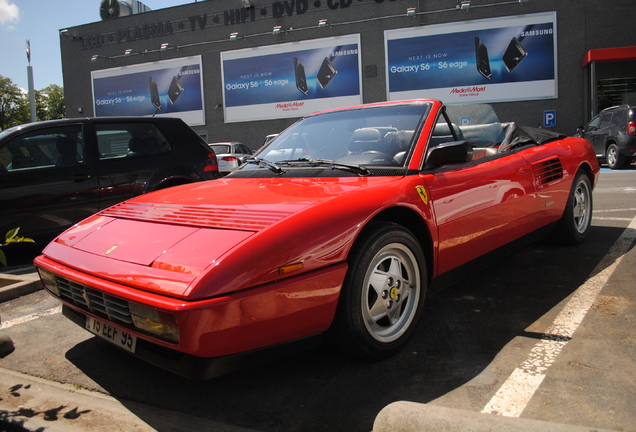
333,231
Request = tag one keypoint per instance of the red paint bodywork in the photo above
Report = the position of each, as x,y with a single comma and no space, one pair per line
210,253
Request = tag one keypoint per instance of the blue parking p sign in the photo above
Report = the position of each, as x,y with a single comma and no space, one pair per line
549,118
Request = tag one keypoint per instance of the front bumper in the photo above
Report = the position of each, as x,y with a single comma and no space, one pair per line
199,368
290,309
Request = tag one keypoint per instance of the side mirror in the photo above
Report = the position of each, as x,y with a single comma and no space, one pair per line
448,153
580,129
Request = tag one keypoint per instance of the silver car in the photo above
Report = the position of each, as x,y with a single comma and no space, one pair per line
230,155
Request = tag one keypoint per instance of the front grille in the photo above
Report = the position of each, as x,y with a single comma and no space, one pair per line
115,308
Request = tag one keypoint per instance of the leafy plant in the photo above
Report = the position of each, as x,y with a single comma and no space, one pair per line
12,237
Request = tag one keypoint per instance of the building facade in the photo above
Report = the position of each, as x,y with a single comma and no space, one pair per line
238,70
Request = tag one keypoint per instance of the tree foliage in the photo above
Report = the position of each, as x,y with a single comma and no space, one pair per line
14,104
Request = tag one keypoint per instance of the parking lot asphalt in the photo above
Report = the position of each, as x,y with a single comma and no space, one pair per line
587,377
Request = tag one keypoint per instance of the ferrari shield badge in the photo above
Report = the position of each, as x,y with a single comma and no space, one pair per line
422,192
110,250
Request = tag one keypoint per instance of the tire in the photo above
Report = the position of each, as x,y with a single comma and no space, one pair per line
383,294
576,221
614,159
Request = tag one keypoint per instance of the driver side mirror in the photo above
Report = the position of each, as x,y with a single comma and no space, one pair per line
448,153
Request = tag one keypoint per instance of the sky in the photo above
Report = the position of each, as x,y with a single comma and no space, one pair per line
40,21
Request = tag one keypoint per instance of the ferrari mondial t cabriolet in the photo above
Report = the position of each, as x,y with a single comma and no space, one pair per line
332,232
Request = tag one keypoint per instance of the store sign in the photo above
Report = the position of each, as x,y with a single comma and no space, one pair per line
172,88
227,18
491,60
291,80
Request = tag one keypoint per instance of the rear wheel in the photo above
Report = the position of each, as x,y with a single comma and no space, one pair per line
577,219
383,294
615,160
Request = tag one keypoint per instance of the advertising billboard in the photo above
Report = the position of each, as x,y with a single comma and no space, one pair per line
164,88
291,80
490,60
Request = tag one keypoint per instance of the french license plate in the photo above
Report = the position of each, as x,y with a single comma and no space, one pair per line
114,335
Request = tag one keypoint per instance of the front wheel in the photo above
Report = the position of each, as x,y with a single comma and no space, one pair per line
577,218
383,294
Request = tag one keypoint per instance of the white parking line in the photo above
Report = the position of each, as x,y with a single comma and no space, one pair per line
614,210
27,318
515,393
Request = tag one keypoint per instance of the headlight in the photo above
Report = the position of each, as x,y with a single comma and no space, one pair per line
155,322
48,280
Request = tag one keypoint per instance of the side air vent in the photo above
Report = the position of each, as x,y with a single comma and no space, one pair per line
547,171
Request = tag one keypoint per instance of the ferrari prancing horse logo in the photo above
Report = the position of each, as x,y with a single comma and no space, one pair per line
422,192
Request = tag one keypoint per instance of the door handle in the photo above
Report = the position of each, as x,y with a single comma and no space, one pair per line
80,177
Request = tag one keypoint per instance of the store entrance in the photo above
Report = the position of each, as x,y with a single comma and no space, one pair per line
610,78
616,84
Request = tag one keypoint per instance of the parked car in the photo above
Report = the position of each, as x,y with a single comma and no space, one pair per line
230,155
341,242
53,174
613,135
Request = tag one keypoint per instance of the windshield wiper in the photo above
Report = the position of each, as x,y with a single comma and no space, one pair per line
361,169
267,164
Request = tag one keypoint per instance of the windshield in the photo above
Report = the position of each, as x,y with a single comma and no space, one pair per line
371,137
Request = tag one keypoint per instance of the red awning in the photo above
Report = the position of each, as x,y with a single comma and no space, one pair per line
610,55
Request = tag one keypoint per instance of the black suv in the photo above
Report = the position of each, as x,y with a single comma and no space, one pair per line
56,173
613,134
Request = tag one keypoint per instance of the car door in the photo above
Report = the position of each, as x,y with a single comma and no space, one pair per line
479,206
48,182
596,132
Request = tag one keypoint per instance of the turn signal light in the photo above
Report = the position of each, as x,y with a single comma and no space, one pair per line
290,268
155,322
631,128
48,280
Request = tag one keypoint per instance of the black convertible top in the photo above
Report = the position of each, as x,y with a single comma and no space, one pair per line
517,135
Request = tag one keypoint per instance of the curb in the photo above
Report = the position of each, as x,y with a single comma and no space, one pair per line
28,403
417,417
18,281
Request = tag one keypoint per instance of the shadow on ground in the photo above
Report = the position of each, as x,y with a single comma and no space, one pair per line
463,328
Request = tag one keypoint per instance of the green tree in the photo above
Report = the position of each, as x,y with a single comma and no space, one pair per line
14,105
50,103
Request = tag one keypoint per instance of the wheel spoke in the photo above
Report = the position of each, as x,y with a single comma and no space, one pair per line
378,310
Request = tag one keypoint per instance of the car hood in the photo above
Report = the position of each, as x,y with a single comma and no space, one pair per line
214,237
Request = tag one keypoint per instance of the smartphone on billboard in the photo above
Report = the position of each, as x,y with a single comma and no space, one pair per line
514,54
154,94
326,73
301,78
175,89
483,63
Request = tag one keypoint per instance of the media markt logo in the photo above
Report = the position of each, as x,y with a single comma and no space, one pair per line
291,106
468,91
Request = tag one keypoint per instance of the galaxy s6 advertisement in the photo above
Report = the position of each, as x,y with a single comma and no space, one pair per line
492,60
169,87
291,80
